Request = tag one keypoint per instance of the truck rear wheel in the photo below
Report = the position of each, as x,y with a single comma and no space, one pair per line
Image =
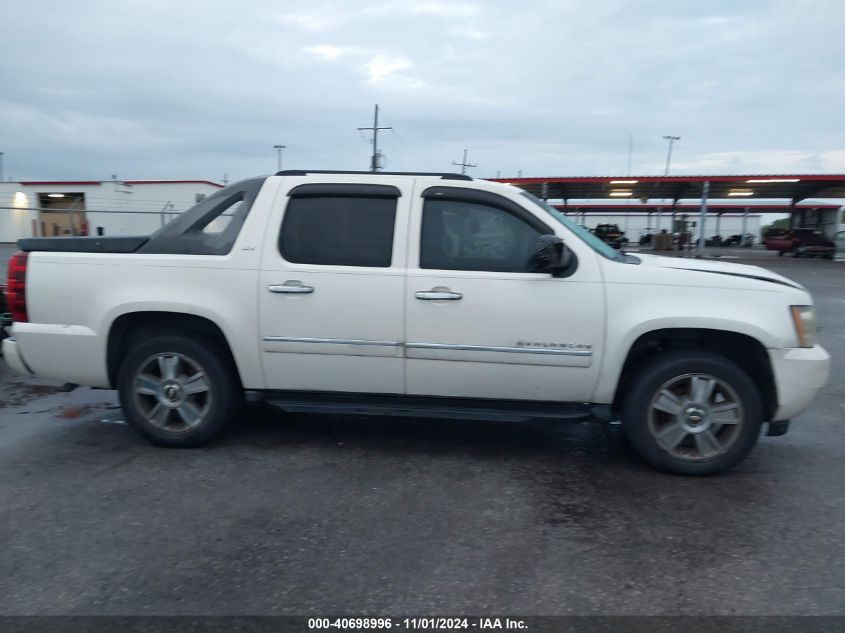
178,392
692,412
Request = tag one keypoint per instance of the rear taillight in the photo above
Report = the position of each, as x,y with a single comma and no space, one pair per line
16,288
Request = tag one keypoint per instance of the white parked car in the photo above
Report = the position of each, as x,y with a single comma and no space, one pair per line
421,294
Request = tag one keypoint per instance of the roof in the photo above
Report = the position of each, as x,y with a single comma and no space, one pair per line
790,186
308,172
170,182
62,183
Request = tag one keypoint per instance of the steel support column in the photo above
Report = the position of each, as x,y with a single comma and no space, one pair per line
702,218
674,227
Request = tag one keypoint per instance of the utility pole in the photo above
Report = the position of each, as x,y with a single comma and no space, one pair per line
671,140
279,149
1,166
375,160
463,165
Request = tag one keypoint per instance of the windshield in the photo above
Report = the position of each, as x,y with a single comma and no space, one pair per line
597,244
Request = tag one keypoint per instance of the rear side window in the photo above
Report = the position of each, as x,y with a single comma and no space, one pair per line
339,231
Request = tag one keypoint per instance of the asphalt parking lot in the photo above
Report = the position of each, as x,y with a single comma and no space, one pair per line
308,514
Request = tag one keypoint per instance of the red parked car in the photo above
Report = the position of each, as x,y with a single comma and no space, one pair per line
5,318
801,243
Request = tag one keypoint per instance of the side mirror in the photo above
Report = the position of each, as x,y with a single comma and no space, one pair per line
551,256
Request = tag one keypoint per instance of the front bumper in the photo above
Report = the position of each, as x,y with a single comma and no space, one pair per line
800,373
816,250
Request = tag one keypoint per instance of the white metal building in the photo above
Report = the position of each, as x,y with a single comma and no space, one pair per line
112,207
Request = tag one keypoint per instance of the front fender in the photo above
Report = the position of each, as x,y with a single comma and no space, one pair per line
635,310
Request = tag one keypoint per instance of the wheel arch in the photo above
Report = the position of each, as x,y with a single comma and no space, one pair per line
746,351
127,327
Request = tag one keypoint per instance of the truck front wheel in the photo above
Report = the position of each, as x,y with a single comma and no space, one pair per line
692,412
178,392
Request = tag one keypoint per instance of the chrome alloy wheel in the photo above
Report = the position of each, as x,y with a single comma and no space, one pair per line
172,392
695,417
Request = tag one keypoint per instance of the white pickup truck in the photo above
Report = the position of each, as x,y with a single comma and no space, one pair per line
415,294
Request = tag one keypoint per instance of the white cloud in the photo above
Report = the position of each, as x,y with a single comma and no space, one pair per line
307,21
448,9
442,9
328,52
833,161
468,32
749,162
381,67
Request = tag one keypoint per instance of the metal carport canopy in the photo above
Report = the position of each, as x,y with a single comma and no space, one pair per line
620,207
792,187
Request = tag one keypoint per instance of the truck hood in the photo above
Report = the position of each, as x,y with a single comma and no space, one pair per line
718,268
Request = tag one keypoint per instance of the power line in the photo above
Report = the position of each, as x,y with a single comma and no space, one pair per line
375,161
464,164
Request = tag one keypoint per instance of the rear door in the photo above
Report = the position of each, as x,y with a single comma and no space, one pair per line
331,286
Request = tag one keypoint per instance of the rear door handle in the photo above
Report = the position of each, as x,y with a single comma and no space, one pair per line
291,288
438,295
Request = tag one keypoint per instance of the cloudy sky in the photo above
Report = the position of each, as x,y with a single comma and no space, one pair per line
160,89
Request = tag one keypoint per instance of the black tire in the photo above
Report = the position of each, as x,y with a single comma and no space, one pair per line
642,422
199,363
780,253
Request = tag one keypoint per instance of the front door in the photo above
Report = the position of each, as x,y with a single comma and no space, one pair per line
331,287
479,323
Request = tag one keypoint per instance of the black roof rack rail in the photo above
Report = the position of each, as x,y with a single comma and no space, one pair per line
305,172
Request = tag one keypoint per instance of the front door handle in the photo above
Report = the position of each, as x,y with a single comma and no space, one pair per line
438,295
291,288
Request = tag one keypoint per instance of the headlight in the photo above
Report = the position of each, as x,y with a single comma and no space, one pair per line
804,318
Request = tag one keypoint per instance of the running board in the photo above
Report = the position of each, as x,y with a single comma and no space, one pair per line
422,406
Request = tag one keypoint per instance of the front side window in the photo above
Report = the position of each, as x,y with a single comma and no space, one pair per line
461,235
338,231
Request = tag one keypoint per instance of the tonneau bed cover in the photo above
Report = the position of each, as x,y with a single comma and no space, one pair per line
122,244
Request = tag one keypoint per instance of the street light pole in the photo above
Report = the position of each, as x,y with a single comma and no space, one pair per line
671,140
279,149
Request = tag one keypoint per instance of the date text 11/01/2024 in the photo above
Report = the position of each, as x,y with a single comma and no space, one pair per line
424,623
